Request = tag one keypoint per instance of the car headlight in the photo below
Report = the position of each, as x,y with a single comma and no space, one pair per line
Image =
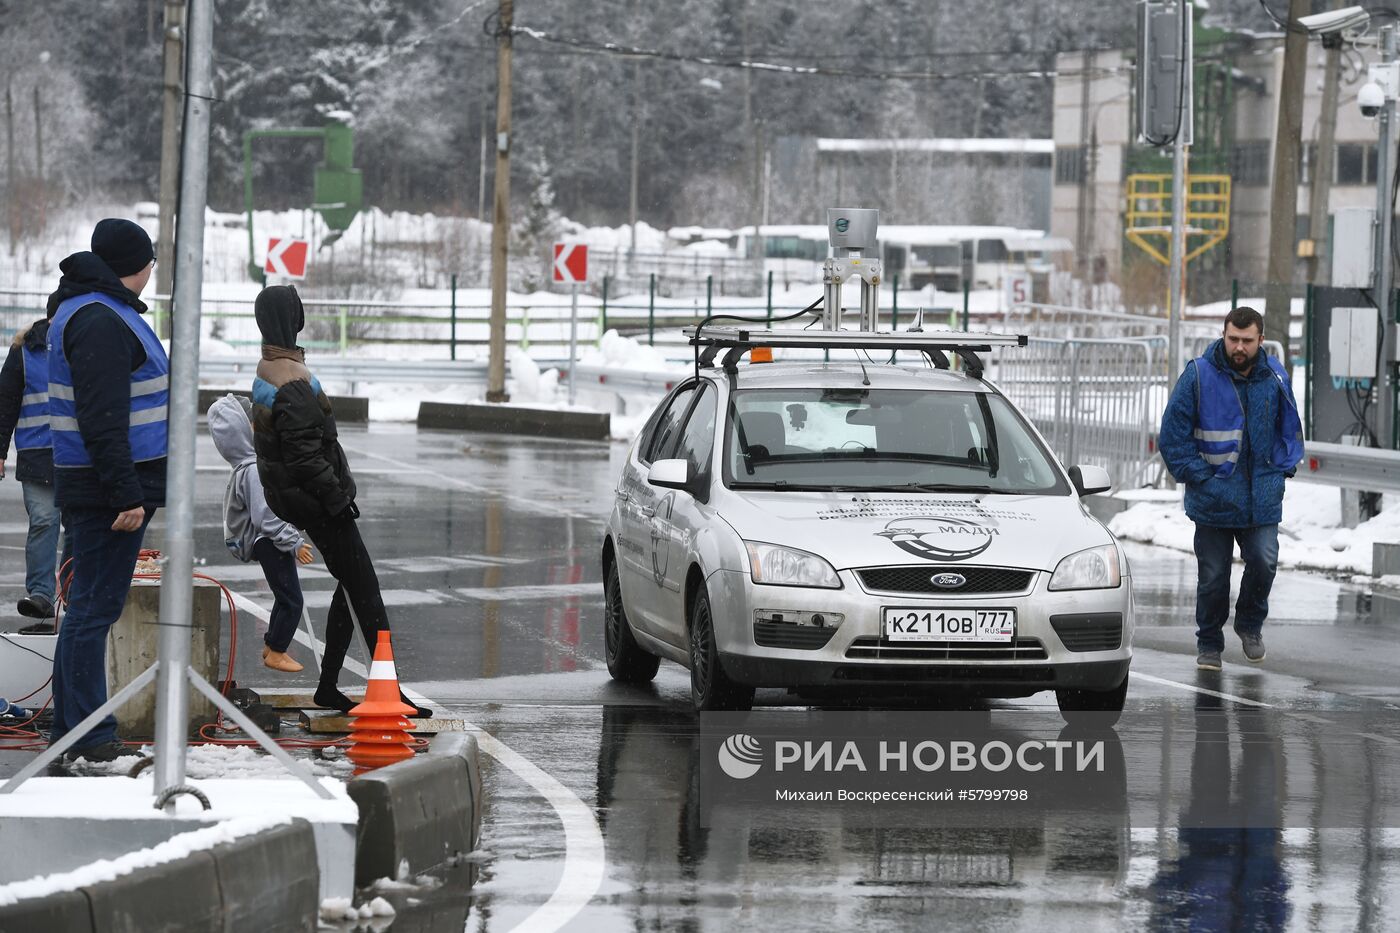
1094,569
784,566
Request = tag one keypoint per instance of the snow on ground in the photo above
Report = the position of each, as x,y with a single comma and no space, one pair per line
1311,536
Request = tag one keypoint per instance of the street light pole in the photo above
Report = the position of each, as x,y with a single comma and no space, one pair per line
177,583
1180,183
1384,277
500,220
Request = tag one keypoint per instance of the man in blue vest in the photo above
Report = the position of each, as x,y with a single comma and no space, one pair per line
108,395
1231,435
24,416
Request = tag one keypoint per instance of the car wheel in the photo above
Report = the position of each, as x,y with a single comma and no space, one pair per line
1093,707
710,687
627,662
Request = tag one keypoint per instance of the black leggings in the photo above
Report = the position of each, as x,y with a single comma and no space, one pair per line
280,568
344,552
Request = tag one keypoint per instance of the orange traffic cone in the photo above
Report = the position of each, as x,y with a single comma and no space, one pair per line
380,732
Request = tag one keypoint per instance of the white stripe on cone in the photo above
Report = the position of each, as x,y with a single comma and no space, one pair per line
382,670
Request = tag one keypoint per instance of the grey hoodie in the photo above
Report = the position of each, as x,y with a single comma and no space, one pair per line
247,517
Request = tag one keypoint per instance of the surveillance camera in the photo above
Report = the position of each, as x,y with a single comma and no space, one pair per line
1370,99
1335,21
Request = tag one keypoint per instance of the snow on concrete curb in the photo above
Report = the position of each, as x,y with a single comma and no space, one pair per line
1311,536
341,908
102,870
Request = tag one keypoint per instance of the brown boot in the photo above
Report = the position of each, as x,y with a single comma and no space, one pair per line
280,661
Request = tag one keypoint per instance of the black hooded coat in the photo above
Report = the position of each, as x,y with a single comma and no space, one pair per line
303,469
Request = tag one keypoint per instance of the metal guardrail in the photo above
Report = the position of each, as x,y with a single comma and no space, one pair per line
1365,468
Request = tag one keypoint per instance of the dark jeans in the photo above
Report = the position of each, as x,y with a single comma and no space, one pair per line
103,561
1215,548
344,552
280,569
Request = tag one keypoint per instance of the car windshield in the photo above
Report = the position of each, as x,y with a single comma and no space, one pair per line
883,439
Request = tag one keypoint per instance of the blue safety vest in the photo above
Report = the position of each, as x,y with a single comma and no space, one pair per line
32,430
150,389
1220,419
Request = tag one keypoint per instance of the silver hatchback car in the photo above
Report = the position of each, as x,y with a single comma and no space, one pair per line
849,526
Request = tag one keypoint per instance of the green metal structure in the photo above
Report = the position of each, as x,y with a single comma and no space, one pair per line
338,188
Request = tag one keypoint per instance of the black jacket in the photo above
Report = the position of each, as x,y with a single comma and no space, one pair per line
31,466
103,353
303,469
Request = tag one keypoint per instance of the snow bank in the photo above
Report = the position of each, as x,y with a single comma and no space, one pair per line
172,849
1311,536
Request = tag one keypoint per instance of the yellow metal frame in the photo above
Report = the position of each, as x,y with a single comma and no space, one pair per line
1149,214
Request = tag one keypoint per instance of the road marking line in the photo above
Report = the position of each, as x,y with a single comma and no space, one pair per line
584,855
1194,689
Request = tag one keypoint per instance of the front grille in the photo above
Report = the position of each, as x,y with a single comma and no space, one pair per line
919,579
784,635
905,673
1099,631
870,648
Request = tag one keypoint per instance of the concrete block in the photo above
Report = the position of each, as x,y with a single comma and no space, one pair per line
269,882
66,912
464,746
425,810
1385,559
507,419
181,896
132,647
1105,507
348,408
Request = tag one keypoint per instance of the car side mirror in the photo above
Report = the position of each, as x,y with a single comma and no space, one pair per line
669,474
1089,480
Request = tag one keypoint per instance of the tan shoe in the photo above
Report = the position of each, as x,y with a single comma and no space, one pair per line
281,661
266,649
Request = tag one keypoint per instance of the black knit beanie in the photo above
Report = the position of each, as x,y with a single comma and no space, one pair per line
123,245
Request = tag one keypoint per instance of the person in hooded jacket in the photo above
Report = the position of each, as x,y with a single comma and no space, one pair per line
24,417
109,391
253,532
308,483
1231,435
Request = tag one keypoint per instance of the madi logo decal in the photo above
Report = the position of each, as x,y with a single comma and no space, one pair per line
939,538
741,756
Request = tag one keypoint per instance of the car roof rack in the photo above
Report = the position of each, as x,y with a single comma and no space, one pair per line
735,341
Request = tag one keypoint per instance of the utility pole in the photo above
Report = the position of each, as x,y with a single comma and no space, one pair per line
632,185
172,103
1283,208
10,187
1081,208
500,221
39,156
1385,222
1176,274
1320,191
177,583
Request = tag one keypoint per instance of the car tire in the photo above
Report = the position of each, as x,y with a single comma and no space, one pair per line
628,663
1093,707
710,688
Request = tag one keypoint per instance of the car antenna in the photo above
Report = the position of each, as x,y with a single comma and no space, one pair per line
864,376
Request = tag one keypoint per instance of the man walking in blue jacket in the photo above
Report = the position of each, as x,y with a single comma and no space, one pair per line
1230,435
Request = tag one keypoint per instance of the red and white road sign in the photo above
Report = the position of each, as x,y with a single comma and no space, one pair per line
286,257
570,262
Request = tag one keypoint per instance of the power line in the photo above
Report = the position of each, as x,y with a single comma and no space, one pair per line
594,47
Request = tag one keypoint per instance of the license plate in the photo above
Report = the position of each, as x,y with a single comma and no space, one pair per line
984,625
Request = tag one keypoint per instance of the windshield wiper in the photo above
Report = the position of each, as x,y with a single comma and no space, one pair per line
938,487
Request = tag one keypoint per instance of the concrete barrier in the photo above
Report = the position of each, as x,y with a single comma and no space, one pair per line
348,408
67,912
508,419
270,882
425,811
264,882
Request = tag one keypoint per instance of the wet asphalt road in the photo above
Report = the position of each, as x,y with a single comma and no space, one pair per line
487,553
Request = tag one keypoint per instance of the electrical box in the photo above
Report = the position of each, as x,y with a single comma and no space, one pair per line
1353,236
1352,341
1160,71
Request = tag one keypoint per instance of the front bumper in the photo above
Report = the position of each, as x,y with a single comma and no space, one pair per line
855,655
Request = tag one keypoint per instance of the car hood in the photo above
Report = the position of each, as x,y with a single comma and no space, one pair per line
864,530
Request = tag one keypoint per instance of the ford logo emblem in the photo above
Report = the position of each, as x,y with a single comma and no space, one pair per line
948,581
